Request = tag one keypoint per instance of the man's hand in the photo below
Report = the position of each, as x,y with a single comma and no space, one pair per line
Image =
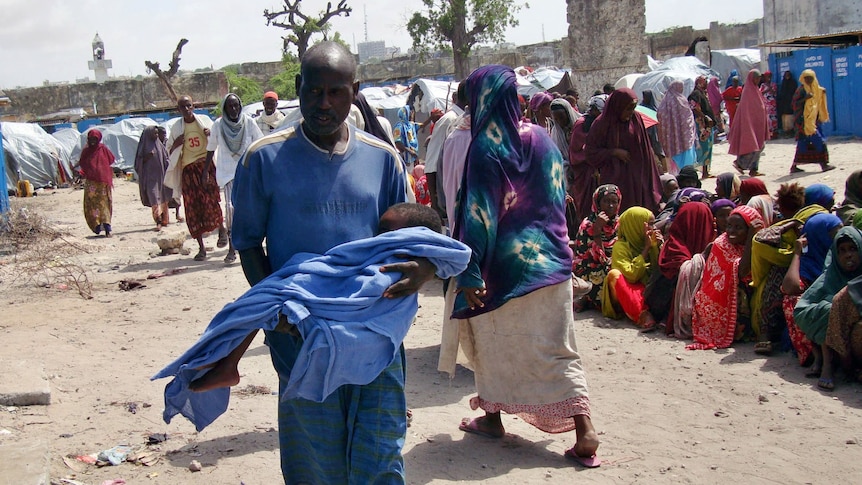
415,272
473,295
178,142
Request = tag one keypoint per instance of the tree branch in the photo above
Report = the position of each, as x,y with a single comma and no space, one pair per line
302,26
165,77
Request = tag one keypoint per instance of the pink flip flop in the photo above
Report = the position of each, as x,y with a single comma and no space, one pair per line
588,462
471,426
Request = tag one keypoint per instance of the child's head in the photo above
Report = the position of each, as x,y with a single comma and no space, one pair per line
407,214
848,254
721,211
790,198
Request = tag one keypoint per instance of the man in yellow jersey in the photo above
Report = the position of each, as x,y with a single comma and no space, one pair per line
188,151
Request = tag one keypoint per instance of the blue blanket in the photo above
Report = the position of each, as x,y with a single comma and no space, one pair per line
350,332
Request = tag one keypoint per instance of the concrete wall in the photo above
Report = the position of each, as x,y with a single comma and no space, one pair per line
608,41
788,19
674,42
261,72
408,67
114,97
734,36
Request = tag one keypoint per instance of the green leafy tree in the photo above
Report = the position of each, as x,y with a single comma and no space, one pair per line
300,27
445,22
284,83
246,88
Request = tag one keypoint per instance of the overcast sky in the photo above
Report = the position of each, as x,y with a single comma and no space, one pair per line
50,39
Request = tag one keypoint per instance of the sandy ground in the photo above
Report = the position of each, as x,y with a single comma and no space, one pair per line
666,415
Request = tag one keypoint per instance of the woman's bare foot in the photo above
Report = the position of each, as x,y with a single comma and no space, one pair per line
222,375
587,439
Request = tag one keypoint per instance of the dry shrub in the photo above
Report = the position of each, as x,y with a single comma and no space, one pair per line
41,254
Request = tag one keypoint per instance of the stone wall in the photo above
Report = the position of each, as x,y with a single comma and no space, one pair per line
735,36
789,19
408,67
261,72
608,41
114,97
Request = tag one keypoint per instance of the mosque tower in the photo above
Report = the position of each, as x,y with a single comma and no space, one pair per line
99,64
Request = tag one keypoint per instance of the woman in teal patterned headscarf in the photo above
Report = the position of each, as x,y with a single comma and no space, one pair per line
406,136
511,213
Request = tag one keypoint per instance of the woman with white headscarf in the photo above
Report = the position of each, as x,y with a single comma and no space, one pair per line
563,118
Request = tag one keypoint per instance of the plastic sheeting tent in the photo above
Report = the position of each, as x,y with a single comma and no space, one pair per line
627,81
435,95
68,139
255,109
542,79
31,154
121,138
685,69
743,60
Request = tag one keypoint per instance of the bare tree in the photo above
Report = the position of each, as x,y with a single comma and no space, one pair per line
174,65
300,26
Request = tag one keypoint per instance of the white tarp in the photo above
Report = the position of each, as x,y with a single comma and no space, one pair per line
435,95
685,69
743,60
68,139
256,109
121,138
31,154
627,81
542,79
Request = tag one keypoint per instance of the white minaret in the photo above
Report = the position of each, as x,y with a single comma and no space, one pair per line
99,64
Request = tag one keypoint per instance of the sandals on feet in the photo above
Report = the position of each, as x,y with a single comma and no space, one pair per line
826,168
825,384
763,348
201,256
588,462
795,169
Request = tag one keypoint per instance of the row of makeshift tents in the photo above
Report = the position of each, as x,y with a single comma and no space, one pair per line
688,68
47,159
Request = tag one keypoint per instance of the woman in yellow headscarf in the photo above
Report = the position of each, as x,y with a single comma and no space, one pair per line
633,260
810,111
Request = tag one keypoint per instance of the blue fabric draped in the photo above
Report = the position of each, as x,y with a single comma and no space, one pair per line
350,332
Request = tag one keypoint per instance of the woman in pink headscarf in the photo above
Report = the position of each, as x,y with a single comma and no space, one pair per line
95,164
769,91
750,129
676,128
713,91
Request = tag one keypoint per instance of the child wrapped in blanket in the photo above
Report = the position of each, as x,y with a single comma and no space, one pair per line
336,302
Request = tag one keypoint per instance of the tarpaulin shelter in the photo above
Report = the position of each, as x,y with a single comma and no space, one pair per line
68,139
542,79
743,60
121,138
627,81
685,69
31,154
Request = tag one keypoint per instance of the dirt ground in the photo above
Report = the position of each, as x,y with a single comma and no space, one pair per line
665,414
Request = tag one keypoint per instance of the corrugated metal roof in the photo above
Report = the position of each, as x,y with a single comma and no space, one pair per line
838,38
